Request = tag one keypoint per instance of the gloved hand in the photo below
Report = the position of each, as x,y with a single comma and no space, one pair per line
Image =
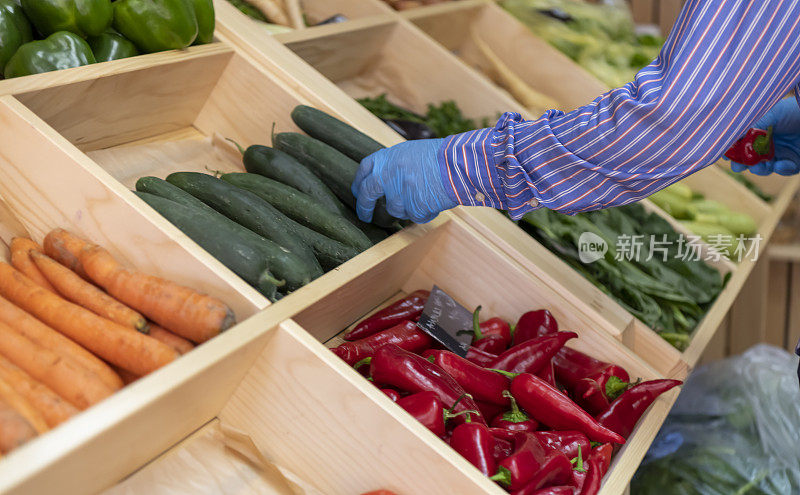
785,121
408,175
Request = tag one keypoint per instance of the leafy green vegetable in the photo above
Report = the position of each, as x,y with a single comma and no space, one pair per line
670,296
444,119
248,10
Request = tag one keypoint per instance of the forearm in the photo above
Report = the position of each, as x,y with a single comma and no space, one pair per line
723,66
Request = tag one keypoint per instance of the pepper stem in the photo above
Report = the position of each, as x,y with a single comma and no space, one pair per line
615,387
450,415
515,415
505,373
476,324
503,476
364,362
457,401
578,461
762,144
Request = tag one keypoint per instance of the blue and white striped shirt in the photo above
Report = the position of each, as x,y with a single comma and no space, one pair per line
725,64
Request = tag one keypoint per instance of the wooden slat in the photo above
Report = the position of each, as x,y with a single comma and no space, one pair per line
317,11
668,11
749,312
778,307
793,326
717,347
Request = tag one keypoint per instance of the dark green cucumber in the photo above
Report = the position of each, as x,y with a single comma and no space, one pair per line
277,165
160,187
329,253
301,208
233,245
334,168
333,132
295,270
248,210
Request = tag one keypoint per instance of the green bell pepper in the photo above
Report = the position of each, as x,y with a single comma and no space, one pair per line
158,25
15,30
111,46
61,50
204,10
82,17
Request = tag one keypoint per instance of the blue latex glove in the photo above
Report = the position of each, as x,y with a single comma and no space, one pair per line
408,175
785,121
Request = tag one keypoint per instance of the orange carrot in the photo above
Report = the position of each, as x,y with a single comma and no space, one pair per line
68,379
75,289
22,406
65,248
21,250
44,336
127,376
163,335
14,428
186,312
108,340
54,409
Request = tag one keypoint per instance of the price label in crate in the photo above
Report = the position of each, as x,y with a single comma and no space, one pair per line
797,351
443,319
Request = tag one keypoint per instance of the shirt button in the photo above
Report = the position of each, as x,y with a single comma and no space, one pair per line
479,197
533,203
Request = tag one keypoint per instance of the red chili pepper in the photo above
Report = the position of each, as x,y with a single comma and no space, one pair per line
507,435
399,368
623,414
479,357
566,442
502,448
392,393
534,324
556,470
493,335
594,477
548,373
516,470
406,335
531,356
603,455
489,410
755,147
405,309
555,490
429,410
514,420
479,382
474,442
554,409
595,398
572,366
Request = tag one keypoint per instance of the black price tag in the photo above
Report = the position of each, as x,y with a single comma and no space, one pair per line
443,318
797,351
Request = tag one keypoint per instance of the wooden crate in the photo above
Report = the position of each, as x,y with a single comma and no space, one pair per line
541,66
317,11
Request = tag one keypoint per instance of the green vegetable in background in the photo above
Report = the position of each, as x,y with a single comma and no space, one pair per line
61,50
206,21
249,10
444,119
15,30
111,46
158,25
82,17
748,184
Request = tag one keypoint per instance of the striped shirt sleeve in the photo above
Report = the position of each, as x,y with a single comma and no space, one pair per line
724,65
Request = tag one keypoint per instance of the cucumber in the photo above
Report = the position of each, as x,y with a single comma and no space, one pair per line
160,187
233,245
329,253
334,168
301,208
277,165
284,264
248,210
333,132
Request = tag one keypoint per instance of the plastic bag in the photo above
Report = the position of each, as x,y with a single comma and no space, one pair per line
735,430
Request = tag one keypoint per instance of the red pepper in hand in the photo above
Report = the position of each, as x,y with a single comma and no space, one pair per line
623,414
493,335
514,420
534,324
476,444
556,470
755,147
409,308
568,443
399,368
516,470
392,394
533,355
405,335
479,357
479,382
429,410
572,366
554,409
